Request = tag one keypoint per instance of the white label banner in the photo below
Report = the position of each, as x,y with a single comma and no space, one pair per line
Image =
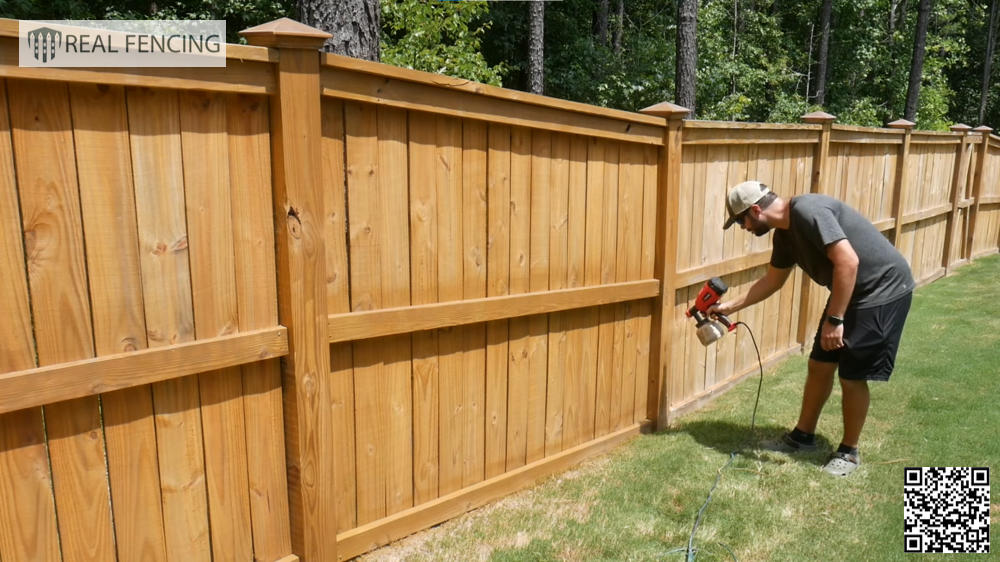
122,43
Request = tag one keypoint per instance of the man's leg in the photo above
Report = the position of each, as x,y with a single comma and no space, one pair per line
855,405
819,384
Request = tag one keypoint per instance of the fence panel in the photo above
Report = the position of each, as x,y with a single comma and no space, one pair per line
481,210
146,223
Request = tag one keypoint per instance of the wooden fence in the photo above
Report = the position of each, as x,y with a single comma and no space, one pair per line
305,305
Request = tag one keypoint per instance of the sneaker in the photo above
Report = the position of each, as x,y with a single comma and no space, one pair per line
842,464
788,444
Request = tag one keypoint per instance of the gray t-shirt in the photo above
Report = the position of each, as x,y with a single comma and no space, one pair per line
818,221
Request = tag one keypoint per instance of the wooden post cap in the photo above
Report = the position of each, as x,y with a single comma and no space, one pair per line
960,128
818,117
902,124
983,129
667,110
286,34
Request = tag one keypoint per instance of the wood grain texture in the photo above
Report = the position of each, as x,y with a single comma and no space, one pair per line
424,290
518,374
205,144
157,170
296,145
474,252
538,326
558,334
104,170
53,230
28,529
257,308
498,239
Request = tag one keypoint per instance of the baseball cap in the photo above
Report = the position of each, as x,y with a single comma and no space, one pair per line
741,197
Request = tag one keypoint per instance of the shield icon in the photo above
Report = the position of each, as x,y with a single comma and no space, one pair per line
44,42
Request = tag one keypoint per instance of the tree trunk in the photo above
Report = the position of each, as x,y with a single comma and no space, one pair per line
917,64
824,45
354,25
687,52
619,26
991,39
536,48
601,23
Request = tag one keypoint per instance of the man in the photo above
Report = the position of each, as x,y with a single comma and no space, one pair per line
871,288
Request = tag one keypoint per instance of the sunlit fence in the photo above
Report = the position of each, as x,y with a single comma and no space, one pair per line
305,305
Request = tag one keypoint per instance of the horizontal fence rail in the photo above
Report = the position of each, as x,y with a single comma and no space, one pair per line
306,305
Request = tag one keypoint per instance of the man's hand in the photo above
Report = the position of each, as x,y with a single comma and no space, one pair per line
831,337
724,308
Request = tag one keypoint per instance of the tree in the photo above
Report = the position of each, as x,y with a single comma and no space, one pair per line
687,52
824,44
917,64
442,37
536,48
619,27
353,24
991,39
601,22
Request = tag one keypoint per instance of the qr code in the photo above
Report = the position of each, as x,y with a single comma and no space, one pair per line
946,509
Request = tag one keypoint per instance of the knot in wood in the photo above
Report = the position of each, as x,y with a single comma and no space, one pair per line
294,223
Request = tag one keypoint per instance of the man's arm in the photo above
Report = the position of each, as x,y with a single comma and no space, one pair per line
763,288
845,274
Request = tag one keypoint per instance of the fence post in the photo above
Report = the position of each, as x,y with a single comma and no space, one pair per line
957,189
298,204
668,181
977,187
819,182
902,171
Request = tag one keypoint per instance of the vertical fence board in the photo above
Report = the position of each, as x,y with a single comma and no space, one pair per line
205,145
53,229
452,414
618,365
646,271
575,321
27,511
396,382
538,280
474,145
520,251
256,292
559,328
112,240
366,294
606,331
154,125
424,290
594,246
498,248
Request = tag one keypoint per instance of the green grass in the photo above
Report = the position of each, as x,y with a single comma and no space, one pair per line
640,501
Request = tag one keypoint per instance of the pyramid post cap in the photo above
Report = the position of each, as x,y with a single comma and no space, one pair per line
285,33
818,117
902,124
960,127
667,110
983,129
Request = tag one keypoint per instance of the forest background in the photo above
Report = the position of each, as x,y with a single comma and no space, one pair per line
757,60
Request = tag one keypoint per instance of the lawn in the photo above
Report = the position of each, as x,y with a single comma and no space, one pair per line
640,501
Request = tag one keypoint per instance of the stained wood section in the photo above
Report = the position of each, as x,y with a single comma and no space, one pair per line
104,170
157,169
205,145
52,223
256,303
338,300
498,240
302,300
28,529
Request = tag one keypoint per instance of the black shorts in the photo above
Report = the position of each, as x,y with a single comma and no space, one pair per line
871,338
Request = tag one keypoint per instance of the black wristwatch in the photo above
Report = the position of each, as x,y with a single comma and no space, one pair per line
834,320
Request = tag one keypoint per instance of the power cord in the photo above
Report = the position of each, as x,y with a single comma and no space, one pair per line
690,550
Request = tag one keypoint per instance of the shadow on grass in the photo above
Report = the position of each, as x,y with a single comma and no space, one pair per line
762,445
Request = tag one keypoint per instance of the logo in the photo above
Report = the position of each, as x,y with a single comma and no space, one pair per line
122,43
43,43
